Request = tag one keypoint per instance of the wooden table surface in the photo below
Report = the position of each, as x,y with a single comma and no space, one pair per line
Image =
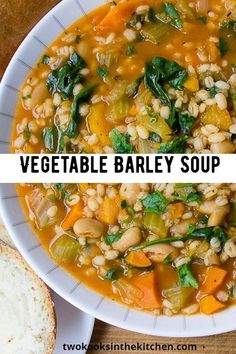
17,17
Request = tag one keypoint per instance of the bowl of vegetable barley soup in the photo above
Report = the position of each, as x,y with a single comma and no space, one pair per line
154,258
128,77
134,76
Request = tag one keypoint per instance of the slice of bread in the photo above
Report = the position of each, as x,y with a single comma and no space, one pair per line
27,318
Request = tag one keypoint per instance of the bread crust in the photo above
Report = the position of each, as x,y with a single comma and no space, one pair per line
4,248
4,236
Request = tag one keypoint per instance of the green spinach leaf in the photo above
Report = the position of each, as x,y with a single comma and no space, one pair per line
170,15
48,139
231,24
155,203
123,204
81,97
160,71
130,51
194,197
61,187
103,73
120,142
203,19
190,198
175,18
185,122
53,139
186,278
110,239
213,91
209,232
176,146
112,274
64,79
180,122
223,47
151,16
205,233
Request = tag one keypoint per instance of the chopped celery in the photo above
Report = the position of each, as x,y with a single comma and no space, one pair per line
232,215
65,249
185,10
128,293
183,192
170,15
233,98
118,91
158,126
118,111
39,206
154,223
107,58
133,87
143,98
155,32
200,251
178,296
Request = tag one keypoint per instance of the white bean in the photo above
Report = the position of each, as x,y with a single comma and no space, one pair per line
87,227
182,227
225,147
39,95
230,247
218,215
130,238
157,253
221,101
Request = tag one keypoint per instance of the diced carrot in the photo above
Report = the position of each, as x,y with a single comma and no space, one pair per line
118,15
133,110
138,259
124,215
192,84
74,214
216,116
99,125
214,278
176,210
146,282
209,305
109,210
213,51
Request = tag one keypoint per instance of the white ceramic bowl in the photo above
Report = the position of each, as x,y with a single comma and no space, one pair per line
74,292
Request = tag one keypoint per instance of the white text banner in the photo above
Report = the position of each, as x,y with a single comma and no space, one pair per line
68,168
